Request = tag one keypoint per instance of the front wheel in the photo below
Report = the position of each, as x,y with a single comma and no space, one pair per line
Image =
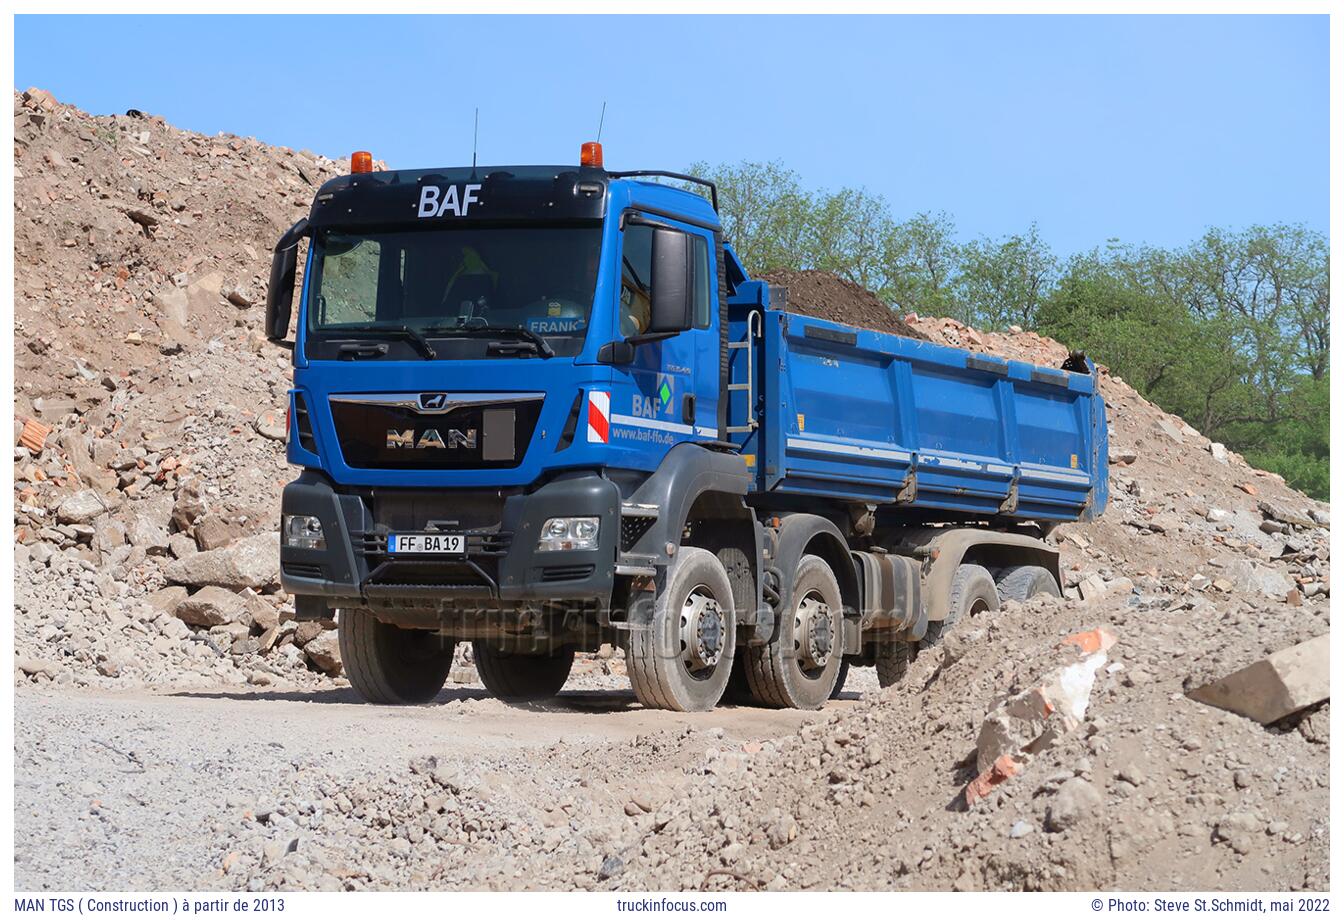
681,659
799,668
391,665
519,678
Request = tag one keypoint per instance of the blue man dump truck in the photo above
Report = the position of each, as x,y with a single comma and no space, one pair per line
544,408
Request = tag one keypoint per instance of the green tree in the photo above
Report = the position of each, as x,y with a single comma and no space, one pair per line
764,210
1003,283
922,259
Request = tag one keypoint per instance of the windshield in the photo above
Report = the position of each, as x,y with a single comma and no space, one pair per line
445,283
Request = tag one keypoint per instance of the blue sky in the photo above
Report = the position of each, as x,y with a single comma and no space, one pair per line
1146,128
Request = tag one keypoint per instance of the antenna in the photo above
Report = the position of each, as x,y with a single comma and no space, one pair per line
601,119
475,133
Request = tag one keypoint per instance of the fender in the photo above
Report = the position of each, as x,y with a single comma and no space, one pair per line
946,548
687,472
795,533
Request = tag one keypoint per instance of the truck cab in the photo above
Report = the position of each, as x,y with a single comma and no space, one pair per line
525,418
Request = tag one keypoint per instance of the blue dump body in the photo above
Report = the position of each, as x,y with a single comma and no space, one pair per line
868,416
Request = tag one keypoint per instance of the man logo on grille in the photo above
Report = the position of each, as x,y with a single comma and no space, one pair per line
410,439
433,401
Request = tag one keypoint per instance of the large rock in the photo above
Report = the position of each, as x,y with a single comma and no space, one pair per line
253,562
211,606
263,613
1276,511
325,653
1076,802
165,600
1274,687
1250,578
214,533
149,533
81,507
189,506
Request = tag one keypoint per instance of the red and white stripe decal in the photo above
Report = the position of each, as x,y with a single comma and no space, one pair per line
599,416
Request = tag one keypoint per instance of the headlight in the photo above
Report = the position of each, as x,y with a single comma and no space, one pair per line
568,533
304,531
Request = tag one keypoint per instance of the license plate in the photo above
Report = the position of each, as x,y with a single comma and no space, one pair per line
443,543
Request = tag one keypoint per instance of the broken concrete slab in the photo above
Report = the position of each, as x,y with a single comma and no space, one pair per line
1248,577
1169,428
1279,685
1029,722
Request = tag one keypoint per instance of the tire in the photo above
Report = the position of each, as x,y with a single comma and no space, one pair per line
780,673
973,591
668,672
892,660
518,678
738,692
1022,582
840,679
389,665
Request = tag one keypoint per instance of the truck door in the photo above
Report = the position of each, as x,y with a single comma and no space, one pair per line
676,379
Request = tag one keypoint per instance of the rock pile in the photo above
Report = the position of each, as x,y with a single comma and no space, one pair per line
146,486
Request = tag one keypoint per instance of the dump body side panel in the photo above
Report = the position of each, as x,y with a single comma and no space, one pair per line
864,416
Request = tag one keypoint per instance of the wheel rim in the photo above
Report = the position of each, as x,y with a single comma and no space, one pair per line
813,635
701,633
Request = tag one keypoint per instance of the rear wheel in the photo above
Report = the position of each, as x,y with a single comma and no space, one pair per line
799,668
682,659
1022,582
892,660
517,678
387,664
973,591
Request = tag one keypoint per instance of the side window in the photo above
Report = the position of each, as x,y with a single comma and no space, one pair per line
349,280
700,306
636,259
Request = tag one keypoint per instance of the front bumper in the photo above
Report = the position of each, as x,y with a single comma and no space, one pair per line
501,567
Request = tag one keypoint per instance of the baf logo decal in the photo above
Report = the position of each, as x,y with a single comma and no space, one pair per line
660,403
436,201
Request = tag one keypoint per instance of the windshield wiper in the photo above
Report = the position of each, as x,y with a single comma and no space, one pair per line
405,332
527,335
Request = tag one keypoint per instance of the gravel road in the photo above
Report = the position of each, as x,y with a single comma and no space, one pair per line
140,784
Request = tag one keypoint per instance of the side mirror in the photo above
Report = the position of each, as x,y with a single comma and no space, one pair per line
671,282
280,293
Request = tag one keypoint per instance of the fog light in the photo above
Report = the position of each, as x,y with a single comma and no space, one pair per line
304,531
568,533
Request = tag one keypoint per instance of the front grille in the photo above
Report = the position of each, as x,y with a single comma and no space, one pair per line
388,432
